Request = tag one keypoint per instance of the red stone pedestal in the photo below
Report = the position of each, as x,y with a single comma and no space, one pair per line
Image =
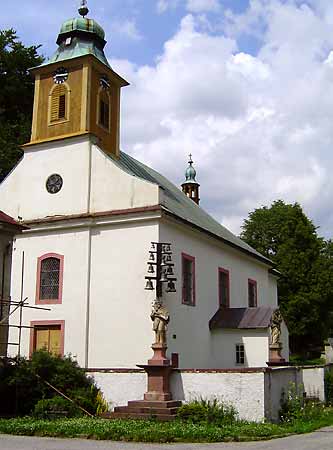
158,399
275,358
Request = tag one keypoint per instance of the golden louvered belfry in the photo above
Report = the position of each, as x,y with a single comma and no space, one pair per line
58,103
76,91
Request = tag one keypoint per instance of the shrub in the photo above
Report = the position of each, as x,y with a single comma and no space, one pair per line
329,387
22,383
295,407
54,408
212,411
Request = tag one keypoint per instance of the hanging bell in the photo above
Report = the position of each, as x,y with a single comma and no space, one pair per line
168,258
153,246
152,256
171,287
164,278
168,248
151,269
149,286
169,270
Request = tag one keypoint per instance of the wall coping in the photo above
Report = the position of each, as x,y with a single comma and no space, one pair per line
232,370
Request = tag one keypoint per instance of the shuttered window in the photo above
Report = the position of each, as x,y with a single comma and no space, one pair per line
49,339
59,98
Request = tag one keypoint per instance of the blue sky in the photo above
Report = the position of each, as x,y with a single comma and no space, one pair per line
246,86
148,27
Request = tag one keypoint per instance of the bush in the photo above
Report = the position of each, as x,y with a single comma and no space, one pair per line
295,407
329,387
22,383
55,407
213,411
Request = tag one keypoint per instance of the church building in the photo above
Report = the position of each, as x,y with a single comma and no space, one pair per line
90,214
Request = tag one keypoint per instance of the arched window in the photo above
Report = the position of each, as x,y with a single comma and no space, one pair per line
49,278
59,103
104,109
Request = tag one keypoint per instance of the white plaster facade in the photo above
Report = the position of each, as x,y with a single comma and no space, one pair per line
102,222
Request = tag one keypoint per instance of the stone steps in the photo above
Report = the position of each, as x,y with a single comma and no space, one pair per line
143,409
124,415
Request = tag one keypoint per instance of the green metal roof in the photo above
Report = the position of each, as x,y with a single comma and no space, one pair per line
78,48
184,208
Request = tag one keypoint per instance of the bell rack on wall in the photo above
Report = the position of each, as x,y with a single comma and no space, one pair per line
160,269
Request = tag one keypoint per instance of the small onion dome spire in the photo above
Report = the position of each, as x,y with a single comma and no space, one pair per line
83,10
191,187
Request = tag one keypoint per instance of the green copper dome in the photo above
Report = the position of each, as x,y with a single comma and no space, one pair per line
190,173
82,24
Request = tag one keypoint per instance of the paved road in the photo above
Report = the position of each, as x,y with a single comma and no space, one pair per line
320,440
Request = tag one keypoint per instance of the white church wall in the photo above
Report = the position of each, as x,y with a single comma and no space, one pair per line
193,339
73,245
23,193
120,327
114,189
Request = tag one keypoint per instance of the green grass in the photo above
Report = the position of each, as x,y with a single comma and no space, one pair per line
152,431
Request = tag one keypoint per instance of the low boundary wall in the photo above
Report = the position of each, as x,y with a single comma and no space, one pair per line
255,393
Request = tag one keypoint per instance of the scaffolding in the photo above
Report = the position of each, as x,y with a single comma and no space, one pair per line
8,307
11,307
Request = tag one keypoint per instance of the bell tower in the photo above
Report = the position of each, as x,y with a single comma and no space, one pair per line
76,91
191,186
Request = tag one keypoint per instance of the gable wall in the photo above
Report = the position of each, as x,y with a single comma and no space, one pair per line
112,188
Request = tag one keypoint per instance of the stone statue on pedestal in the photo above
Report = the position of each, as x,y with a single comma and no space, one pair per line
160,317
276,328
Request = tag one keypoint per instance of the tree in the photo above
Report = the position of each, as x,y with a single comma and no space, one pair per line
16,97
288,237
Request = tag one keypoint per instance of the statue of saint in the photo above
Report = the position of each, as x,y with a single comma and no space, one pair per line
160,317
276,328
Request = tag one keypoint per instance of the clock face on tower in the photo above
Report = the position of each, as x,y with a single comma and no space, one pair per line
54,183
60,75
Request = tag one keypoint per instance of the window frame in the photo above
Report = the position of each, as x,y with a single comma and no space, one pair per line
186,257
57,301
226,272
238,352
251,282
47,323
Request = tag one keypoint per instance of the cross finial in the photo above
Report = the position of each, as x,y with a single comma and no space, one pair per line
83,10
190,161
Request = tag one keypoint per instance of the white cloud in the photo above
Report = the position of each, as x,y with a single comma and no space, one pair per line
127,28
197,6
259,127
164,5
